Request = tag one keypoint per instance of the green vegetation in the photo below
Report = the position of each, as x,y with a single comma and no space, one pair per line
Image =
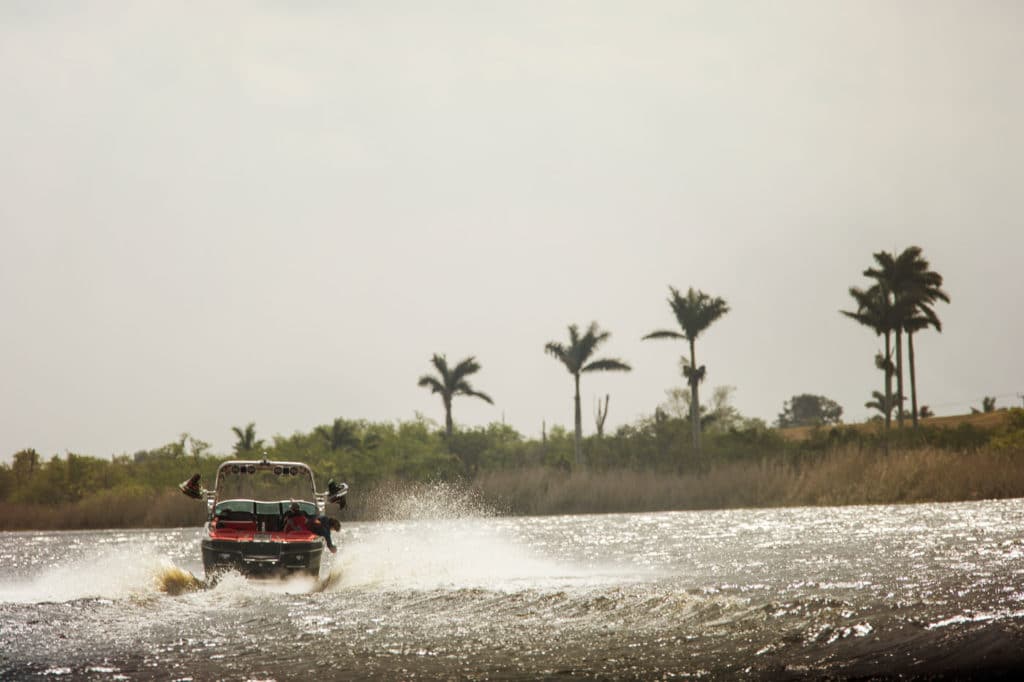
647,465
809,410
883,404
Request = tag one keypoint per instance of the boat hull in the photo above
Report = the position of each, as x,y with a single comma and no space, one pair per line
261,559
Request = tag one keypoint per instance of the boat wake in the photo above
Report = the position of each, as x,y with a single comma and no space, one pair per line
114,574
430,555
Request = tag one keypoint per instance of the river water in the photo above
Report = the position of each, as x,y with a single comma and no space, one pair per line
922,591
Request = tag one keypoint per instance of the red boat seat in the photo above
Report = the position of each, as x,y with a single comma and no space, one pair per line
233,515
237,525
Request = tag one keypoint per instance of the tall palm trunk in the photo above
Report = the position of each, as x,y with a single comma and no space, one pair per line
577,445
694,400
888,381
913,379
899,376
448,421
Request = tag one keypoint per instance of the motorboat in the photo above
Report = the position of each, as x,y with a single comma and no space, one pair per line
248,527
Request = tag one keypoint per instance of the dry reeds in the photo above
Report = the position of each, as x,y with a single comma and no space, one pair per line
135,508
844,476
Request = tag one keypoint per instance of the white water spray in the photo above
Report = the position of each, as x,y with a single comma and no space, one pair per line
446,539
115,574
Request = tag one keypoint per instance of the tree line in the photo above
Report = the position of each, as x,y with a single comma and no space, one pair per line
366,454
900,301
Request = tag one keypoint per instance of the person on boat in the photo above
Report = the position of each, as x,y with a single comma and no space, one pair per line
192,488
295,519
322,526
336,493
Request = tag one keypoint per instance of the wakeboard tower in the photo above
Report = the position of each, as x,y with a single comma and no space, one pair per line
248,527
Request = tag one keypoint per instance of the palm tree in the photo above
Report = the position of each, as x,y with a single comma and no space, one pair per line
925,289
694,312
988,404
575,357
913,286
881,403
450,382
246,439
340,435
875,311
892,275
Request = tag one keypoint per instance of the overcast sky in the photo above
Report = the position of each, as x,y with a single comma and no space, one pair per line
217,213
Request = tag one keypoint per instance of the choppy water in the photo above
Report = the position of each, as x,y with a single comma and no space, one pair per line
922,591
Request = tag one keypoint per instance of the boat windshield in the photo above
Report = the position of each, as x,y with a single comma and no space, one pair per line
235,483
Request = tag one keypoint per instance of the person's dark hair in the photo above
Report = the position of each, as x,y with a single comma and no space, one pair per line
333,523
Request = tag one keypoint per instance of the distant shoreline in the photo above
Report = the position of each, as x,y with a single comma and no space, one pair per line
845,476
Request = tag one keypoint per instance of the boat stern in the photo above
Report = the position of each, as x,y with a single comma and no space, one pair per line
261,556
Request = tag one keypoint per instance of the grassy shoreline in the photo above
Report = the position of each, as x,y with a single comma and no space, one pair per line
843,476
